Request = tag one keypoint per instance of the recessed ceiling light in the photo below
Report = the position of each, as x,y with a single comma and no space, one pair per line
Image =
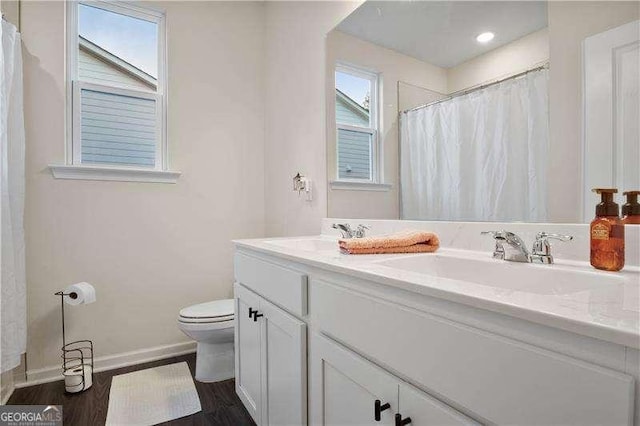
485,37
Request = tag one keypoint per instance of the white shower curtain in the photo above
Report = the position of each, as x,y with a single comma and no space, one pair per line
13,302
480,156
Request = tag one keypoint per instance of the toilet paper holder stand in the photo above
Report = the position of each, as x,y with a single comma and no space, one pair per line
76,355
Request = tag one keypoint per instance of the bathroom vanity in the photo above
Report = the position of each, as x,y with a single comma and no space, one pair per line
454,337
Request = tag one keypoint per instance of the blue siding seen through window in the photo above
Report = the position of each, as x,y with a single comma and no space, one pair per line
354,154
118,129
346,114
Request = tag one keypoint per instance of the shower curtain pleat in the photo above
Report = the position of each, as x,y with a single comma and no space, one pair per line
478,157
13,300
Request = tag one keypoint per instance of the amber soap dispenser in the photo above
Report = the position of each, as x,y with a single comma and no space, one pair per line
631,209
607,234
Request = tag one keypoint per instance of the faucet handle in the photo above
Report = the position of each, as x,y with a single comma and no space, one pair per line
541,251
361,230
543,235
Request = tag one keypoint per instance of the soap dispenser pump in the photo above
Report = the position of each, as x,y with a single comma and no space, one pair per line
631,209
607,233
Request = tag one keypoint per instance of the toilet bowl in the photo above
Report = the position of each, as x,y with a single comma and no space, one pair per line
211,326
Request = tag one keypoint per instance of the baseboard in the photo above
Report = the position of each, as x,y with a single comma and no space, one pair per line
111,362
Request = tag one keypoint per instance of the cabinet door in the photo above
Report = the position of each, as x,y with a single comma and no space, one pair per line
284,367
346,387
247,351
425,410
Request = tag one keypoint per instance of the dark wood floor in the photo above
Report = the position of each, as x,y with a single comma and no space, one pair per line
220,404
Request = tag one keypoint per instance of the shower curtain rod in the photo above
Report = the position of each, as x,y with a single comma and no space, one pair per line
479,87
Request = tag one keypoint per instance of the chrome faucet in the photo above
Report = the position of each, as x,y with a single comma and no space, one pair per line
348,232
511,247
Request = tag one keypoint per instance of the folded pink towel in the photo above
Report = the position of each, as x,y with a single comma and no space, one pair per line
401,242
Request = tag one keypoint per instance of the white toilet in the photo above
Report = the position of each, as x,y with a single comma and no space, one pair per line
211,325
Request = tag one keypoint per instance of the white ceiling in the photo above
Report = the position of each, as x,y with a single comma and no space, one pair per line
444,33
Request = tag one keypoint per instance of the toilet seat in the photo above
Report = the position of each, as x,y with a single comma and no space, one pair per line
205,320
218,311
192,326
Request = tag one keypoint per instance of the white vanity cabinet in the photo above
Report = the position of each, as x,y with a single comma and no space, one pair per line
349,390
270,348
432,361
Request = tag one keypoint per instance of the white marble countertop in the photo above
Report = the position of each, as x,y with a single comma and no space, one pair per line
609,312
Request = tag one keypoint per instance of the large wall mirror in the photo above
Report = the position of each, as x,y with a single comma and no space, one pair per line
482,110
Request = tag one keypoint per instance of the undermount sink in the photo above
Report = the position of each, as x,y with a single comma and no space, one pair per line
306,244
525,277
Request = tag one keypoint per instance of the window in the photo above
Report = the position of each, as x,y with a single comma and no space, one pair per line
356,124
116,87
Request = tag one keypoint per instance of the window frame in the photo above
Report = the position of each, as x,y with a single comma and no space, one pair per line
74,85
374,121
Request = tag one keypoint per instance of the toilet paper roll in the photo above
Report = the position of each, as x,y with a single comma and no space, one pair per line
73,378
80,293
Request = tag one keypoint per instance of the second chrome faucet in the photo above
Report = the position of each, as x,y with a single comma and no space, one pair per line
511,247
348,232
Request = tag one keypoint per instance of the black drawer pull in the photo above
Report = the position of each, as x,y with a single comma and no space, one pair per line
256,315
252,312
379,407
400,421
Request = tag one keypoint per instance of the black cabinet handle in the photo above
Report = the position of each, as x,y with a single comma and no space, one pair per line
400,421
379,407
256,315
252,312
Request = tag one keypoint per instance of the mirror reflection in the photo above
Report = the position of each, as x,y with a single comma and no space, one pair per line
477,111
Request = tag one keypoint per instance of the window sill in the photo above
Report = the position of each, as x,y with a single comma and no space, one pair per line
359,186
113,174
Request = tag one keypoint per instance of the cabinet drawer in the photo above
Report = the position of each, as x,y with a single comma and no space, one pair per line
499,379
282,286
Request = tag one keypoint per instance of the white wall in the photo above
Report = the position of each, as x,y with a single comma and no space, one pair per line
512,58
393,67
569,24
412,96
11,12
149,249
295,111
